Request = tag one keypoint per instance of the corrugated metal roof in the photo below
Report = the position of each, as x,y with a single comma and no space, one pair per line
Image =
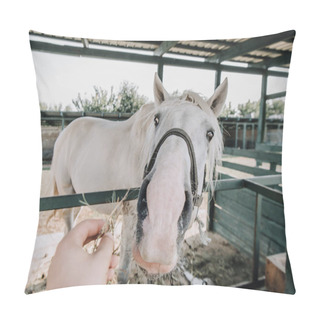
261,50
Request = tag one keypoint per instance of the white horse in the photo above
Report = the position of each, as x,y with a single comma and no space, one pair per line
163,148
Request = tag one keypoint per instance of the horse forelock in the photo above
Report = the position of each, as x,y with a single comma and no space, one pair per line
196,99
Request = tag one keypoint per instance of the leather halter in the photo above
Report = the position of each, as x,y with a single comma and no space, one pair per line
197,199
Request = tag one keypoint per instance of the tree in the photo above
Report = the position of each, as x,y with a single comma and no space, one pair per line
228,111
249,109
99,101
276,107
126,100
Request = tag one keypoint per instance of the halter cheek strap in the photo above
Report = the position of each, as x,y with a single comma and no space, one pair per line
197,198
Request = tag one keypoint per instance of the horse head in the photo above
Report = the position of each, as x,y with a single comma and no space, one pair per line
183,136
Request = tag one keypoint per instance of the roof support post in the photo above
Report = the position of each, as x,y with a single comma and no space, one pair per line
217,78
211,200
262,110
160,70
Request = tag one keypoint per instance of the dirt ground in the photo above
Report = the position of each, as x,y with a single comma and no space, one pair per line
218,263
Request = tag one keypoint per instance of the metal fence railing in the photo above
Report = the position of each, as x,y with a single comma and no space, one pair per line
258,184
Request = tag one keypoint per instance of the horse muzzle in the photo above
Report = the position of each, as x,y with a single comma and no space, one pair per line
160,231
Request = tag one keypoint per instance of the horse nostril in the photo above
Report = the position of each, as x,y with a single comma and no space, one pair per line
185,216
142,206
142,209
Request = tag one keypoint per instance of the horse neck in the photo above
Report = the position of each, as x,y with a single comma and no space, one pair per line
138,126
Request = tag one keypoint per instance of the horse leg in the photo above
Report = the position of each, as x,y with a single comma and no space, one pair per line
127,239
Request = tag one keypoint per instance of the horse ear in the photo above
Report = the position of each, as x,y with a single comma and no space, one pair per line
216,102
160,93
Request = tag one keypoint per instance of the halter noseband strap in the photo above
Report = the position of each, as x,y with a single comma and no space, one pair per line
197,199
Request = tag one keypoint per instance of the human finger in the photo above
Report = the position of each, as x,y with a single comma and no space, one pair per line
110,275
113,264
114,261
91,238
85,230
105,249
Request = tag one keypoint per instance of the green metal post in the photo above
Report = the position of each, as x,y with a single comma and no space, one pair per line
262,110
160,70
211,207
236,138
244,135
252,134
217,78
62,120
257,232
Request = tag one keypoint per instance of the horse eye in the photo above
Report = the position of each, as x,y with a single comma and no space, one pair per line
210,135
156,120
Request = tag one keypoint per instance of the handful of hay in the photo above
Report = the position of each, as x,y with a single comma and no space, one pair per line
110,221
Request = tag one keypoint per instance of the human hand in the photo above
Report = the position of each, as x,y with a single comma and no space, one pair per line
73,266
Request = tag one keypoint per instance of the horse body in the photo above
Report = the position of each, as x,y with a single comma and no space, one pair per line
94,154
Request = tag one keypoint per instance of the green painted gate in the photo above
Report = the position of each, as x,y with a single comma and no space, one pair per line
235,217
249,214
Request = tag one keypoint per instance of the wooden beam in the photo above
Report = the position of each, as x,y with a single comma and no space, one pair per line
196,49
256,184
164,47
276,272
250,45
251,170
229,184
268,147
270,193
285,58
255,154
142,58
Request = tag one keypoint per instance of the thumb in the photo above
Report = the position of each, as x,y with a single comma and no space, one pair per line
105,249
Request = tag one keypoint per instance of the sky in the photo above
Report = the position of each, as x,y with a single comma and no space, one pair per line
60,78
